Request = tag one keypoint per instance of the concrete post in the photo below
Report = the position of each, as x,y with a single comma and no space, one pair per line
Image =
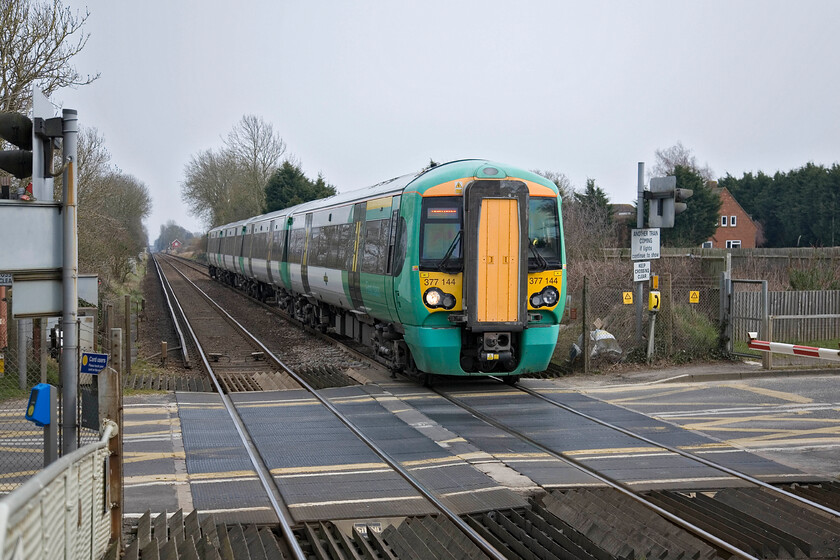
127,340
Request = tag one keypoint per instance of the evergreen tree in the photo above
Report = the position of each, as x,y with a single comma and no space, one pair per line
795,209
594,199
289,186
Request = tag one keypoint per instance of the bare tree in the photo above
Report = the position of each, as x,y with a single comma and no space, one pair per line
228,184
559,179
668,159
37,43
112,207
587,228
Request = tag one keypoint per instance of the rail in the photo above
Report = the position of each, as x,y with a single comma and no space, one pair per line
63,511
180,334
468,531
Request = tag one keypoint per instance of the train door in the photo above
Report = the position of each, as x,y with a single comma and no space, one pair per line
354,275
269,247
239,264
394,257
496,259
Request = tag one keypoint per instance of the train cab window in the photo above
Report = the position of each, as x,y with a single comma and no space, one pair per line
544,234
440,233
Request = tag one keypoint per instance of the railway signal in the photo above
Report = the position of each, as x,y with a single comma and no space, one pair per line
35,140
16,129
665,201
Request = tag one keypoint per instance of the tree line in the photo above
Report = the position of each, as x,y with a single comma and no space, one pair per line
38,42
248,175
797,208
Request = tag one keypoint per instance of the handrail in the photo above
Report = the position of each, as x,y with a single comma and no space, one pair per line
28,491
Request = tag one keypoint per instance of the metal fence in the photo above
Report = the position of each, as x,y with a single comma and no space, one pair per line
686,326
64,511
28,359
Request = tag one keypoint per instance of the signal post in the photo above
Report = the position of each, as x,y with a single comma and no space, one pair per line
41,251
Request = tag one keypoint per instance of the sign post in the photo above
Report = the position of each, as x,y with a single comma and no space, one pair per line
644,246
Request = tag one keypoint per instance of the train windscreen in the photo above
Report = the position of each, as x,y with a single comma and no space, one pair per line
440,227
544,234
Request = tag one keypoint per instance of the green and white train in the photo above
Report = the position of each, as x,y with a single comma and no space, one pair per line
457,270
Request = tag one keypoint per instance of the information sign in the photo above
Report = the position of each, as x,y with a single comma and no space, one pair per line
5,279
644,244
641,271
93,363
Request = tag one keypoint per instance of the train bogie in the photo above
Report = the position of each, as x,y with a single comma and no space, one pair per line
459,270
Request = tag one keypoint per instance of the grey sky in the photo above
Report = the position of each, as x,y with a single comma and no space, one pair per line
366,90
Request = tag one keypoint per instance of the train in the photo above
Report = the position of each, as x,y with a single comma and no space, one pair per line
456,270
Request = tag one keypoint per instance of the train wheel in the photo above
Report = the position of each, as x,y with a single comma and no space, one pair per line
511,379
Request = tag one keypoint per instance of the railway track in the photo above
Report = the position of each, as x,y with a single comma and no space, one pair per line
609,521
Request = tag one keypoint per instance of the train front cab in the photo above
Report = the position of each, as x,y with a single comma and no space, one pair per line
489,273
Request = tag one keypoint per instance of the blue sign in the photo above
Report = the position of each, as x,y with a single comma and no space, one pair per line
93,363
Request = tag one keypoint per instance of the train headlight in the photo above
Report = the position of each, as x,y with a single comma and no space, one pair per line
546,298
550,296
433,297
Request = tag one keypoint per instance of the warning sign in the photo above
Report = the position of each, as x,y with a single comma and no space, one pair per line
694,296
628,298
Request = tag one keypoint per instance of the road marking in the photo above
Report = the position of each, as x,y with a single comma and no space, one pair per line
656,395
360,501
792,397
140,456
17,474
327,468
21,450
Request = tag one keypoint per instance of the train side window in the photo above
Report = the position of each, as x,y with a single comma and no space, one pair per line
373,250
331,246
297,238
312,249
346,242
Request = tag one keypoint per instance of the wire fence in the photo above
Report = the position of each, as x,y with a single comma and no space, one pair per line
29,355
602,301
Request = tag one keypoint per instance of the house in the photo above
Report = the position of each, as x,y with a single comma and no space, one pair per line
735,228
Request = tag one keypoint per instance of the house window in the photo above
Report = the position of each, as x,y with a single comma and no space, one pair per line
707,245
732,221
733,243
723,221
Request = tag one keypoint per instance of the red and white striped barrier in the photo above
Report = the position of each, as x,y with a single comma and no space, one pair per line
794,349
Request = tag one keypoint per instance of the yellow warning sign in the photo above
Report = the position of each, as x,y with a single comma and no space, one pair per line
694,296
628,298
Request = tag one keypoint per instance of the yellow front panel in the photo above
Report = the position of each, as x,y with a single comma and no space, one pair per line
498,260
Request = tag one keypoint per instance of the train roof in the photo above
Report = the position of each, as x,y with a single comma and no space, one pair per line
418,181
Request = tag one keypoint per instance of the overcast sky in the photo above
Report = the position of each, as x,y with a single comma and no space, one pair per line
363,91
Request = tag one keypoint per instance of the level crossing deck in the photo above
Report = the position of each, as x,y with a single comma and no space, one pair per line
181,452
